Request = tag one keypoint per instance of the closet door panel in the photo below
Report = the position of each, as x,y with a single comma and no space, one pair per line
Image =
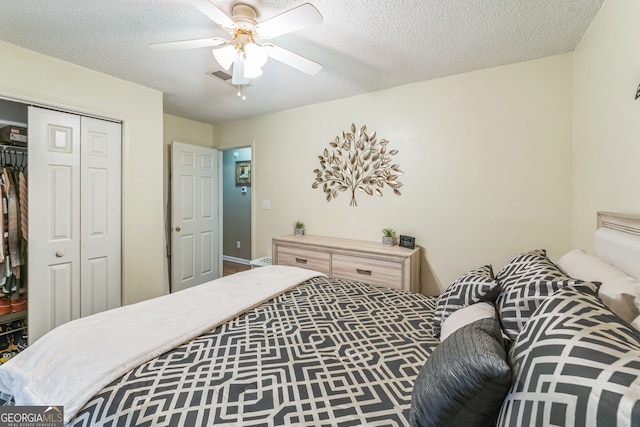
54,220
60,289
60,203
96,295
101,215
98,202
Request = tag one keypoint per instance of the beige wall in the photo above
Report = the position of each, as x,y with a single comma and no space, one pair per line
606,122
187,131
486,156
28,76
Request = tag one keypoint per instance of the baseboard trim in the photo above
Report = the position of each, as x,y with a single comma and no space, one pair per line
236,260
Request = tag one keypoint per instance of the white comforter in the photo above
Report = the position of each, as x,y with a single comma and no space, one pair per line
67,366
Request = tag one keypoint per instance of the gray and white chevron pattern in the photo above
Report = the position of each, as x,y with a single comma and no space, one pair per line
575,363
330,352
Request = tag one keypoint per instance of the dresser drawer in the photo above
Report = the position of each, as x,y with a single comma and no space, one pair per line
305,258
375,271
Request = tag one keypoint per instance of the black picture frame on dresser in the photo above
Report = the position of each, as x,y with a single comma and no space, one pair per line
407,242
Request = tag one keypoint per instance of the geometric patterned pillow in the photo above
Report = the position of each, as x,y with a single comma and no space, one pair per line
526,281
575,364
470,288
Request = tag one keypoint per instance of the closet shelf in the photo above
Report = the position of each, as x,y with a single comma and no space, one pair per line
8,146
10,317
13,331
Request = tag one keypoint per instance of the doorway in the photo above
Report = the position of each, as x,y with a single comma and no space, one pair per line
237,180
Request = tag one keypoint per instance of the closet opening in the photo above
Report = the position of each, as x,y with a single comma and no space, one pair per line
13,228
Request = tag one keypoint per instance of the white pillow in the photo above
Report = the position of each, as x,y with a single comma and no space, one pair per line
619,291
636,321
465,316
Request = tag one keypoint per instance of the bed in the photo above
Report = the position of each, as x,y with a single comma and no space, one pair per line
326,351
286,346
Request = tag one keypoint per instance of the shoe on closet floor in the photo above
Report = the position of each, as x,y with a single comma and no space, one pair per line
19,304
5,305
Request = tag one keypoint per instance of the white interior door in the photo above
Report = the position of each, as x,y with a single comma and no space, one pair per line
100,226
195,236
54,220
74,218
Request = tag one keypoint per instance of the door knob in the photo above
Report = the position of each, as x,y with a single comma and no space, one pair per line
60,253
178,228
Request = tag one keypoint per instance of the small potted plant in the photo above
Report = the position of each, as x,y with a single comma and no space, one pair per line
388,235
298,228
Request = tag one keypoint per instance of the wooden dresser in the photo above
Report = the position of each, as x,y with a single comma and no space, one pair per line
371,262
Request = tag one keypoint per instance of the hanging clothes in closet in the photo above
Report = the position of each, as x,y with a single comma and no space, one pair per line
13,187
13,248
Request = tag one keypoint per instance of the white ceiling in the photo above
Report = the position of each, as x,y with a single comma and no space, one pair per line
363,45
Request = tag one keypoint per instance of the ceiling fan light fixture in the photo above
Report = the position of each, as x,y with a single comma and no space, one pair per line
238,77
225,56
254,59
255,55
251,71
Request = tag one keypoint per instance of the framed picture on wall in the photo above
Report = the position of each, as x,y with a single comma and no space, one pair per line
243,173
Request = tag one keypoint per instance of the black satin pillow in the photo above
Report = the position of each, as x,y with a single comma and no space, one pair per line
465,380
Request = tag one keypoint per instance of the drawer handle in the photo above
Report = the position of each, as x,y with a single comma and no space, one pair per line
361,271
301,260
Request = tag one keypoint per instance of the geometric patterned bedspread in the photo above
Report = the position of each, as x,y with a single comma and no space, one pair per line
330,352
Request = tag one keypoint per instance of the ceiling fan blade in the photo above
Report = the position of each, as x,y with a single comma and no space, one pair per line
292,20
187,44
294,60
215,14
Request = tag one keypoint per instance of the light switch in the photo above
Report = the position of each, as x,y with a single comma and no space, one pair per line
266,204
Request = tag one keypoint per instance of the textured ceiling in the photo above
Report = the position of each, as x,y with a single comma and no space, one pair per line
363,45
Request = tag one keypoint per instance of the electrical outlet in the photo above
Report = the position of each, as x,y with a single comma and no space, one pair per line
238,244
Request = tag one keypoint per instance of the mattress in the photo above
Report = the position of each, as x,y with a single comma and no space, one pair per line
328,352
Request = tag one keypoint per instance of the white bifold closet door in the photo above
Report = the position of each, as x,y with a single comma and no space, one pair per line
74,218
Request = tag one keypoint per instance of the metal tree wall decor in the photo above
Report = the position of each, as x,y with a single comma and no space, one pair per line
358,161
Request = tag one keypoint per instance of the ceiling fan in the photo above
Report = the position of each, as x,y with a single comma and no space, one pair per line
243,50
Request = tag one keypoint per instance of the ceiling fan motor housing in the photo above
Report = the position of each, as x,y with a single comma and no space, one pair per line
244,16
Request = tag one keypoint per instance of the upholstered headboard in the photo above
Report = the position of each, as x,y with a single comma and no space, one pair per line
617,241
